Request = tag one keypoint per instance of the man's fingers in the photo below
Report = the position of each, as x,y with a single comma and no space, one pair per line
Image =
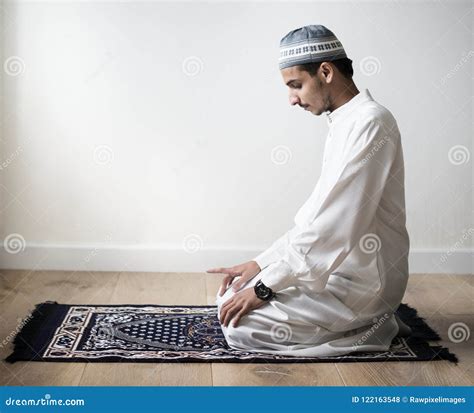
226,307
217,270
227,303
229,315
222,314
228,271
238,317
222,270
226,282
224,310
225,285
238,284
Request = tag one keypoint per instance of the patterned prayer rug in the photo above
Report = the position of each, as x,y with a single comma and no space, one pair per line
157,333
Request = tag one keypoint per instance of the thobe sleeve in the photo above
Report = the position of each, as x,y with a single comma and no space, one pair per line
343,211
274,253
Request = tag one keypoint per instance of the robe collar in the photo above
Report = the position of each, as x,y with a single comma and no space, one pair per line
344,110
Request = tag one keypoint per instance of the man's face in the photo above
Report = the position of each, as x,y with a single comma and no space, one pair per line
310,93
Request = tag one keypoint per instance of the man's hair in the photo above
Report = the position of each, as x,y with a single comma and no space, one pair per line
344,66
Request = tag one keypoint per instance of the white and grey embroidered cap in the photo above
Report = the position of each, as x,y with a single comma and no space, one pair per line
314,43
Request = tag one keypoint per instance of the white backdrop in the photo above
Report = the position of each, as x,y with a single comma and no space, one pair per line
158,137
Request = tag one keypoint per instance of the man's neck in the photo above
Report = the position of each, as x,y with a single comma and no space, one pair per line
343,96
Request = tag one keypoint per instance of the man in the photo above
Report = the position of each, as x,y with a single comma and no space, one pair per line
331,284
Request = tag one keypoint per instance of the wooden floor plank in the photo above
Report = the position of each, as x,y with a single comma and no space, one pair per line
436,373
440,293
266,374
442,300
24,290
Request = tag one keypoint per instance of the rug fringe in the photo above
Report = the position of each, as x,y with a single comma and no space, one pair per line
443,353
421,329
35,321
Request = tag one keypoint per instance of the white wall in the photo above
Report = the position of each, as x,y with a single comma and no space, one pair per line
139,136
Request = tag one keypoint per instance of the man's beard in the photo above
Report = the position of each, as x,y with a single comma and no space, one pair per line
326,99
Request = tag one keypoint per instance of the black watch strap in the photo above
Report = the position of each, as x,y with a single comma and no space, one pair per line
263,292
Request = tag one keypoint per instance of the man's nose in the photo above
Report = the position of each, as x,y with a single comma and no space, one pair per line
294,100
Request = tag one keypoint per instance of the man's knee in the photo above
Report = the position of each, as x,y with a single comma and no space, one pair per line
235,336
226,296
218,298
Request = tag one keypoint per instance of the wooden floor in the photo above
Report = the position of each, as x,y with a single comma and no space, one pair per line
441,299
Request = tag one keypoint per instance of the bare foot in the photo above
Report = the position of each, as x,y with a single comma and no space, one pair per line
403,329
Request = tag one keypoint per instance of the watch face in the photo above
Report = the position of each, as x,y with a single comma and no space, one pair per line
262,291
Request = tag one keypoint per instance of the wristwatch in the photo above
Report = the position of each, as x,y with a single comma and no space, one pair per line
263,292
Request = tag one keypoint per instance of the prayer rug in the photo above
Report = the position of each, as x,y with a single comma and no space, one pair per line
158,333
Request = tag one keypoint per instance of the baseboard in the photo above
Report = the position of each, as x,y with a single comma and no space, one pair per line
176,259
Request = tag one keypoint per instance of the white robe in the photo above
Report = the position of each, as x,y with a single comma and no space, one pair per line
342,270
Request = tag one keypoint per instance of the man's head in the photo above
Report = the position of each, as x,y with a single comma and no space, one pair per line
315,86
315,68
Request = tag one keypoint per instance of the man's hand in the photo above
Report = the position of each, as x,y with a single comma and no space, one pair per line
238,305
246,271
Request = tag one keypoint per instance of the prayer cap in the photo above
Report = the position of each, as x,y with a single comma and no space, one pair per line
314,43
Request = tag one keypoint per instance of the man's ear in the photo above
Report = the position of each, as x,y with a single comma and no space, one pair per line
326,72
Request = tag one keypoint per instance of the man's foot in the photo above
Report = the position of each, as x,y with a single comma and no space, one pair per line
403,329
